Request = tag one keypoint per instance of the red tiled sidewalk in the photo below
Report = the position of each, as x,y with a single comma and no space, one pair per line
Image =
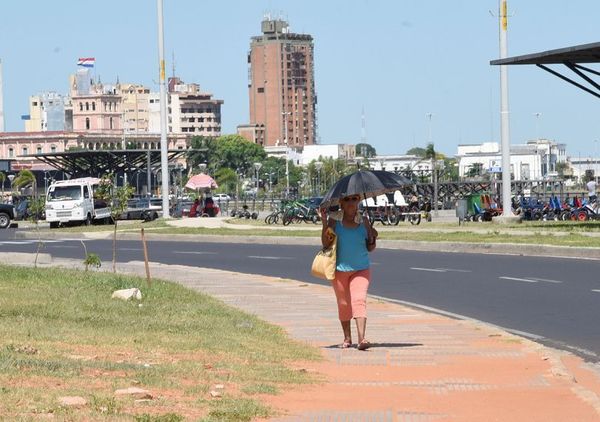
423,366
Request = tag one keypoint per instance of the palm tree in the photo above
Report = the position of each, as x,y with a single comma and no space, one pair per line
24,179
430,154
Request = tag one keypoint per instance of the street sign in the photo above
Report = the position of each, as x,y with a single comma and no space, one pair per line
495,169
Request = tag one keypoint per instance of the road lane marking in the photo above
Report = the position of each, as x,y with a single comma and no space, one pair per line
435,270
196,252
27,242
546,280
519,279
455,270
596,290
269,257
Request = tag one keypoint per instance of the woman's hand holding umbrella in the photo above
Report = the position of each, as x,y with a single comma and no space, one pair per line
371,233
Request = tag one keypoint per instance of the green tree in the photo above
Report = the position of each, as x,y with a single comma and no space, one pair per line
236,152
475,170
25,179
365,150
227,179
451,169
232,151
116,197
202,151
332,170
562,168
418,151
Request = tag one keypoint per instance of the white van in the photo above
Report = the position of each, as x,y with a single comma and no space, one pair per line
73,201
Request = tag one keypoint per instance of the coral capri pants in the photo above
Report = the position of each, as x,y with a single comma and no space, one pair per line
351,293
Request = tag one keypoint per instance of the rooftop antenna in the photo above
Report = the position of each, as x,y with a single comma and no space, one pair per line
173,55
363,129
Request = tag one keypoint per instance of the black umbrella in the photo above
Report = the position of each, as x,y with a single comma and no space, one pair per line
366,183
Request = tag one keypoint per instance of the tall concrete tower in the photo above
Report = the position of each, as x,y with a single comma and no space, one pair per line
1,100
281,85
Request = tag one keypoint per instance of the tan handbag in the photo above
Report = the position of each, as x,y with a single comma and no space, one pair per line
323,265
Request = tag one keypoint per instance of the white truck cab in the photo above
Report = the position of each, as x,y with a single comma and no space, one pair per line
73,200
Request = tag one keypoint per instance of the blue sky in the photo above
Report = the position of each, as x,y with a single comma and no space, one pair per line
400,60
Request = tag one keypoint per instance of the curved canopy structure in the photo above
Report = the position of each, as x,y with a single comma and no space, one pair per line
571,57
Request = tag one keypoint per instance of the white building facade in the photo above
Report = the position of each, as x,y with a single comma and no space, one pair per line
335,151
535,160
399,163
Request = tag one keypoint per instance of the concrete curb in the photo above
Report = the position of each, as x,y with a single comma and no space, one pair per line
22,258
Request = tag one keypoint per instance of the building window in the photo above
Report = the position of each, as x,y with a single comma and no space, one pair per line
111,123
11,153
87,123
87,106
38,150
80,106
261,90
94,106
53,148
24,151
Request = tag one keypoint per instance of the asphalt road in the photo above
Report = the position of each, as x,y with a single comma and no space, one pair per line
555,301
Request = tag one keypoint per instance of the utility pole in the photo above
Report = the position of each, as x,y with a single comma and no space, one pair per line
504,126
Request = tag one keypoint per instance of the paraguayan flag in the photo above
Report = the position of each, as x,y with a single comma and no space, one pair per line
86,62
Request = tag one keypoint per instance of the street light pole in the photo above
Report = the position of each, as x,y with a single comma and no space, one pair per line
434,174
11,177
257,167
285,141
318,166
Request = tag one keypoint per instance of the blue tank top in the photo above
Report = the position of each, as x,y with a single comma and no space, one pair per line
352,253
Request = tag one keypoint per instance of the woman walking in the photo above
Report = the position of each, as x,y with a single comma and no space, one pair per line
355,239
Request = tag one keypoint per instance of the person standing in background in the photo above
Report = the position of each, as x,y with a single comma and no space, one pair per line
591,187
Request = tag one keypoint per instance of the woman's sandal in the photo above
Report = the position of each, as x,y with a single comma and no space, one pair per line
363,345
346,344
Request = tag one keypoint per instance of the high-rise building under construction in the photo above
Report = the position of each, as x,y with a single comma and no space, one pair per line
281,86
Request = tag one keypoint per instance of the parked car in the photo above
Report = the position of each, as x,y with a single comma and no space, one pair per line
7,213
143,209
221,197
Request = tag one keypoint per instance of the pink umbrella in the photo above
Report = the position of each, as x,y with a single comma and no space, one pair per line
201,181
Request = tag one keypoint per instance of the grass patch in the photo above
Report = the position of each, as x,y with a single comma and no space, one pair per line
261,389
236,410
61,335
533,238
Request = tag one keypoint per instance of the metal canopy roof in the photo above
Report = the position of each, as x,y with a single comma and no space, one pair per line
570,57
98,163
